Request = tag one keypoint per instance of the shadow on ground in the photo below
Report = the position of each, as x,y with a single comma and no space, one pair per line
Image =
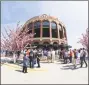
46,62
19,71
71,67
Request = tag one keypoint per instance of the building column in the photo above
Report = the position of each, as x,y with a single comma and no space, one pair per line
58,33
65,34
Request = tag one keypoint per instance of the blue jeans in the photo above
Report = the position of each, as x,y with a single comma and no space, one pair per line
31,63
83,60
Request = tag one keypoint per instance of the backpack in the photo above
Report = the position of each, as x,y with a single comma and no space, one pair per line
31,54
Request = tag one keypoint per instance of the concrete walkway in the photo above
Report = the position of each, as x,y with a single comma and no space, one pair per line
49,73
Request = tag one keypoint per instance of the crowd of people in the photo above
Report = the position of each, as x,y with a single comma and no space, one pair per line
71,56
33,56
74,56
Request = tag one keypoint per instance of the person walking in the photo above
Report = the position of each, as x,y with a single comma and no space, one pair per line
27,52
75,57
31,58
38,58
49,56
83,57
35,56
65,56
78,59
25,63
63,52
53,56
45,53
59,51
70,56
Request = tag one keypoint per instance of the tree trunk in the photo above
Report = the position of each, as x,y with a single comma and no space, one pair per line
14,57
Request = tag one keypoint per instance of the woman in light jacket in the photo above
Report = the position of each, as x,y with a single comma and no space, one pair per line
25,63
53,56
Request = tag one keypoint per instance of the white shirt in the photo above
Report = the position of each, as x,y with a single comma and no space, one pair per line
78,55
81,53
53,53
49,53
66,54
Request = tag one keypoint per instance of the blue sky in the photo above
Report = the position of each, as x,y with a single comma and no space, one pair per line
74,14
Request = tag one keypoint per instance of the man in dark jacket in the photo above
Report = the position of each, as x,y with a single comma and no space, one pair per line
38,58
31,57
65,56
82,57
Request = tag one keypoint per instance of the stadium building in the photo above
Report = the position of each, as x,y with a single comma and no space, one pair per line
48,30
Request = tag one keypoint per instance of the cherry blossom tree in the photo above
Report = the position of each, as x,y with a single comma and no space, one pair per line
15,40
84,39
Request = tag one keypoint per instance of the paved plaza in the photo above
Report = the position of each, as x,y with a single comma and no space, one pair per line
49,73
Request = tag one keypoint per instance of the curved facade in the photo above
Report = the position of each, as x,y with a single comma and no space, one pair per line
47,29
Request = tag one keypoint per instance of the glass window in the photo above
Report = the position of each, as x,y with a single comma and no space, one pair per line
53,25
60,27
30,26
37,28
37,25
61,34
64,32
46,26
54,30
60,31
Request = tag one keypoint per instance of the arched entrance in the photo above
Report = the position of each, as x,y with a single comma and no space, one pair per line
46,45
55,45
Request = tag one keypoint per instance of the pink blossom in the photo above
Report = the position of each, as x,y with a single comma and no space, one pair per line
84,39
16,40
